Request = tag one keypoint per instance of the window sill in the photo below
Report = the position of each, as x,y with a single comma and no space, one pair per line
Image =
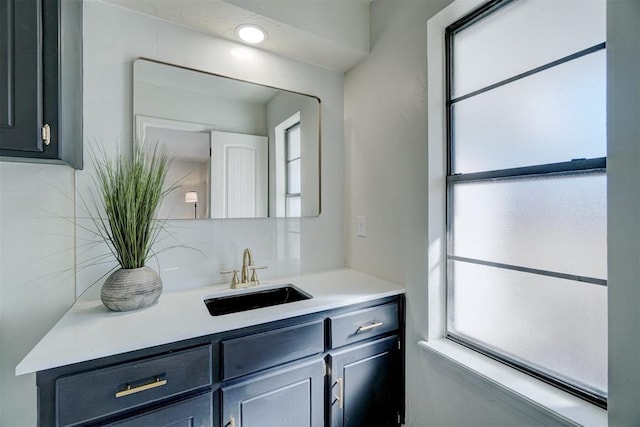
557,403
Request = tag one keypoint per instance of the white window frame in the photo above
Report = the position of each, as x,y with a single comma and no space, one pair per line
496,377
280,163
287,162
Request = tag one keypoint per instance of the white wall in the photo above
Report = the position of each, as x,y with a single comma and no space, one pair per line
623,164
386,140
180,104
280,108
37,277
113,38
386,146
191,175
344,22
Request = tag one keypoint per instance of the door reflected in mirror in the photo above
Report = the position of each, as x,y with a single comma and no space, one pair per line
240,150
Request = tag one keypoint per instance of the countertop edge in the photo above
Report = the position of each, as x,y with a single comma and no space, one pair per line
79,323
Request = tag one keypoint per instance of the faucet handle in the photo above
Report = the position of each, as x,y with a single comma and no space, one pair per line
234,279
254,276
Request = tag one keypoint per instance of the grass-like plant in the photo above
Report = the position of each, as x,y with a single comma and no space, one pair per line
130,191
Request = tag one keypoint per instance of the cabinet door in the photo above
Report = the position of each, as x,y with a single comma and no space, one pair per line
288,397
20,75
366,385
194,412
41,80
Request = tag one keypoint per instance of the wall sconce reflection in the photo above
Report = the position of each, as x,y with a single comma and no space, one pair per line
192,197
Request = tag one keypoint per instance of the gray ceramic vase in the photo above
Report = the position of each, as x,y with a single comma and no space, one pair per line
130,289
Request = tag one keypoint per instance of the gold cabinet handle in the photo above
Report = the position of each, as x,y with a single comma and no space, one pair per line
232,421
46,134
340,397
132,390
364,328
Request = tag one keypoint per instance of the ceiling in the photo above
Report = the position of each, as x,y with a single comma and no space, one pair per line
330,33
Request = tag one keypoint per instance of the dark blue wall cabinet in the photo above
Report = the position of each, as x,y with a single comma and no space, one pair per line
41,81
337,368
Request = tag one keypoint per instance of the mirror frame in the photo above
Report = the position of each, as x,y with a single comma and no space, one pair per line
140,122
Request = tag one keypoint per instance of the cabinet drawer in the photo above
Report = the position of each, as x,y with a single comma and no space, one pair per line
359,325
253,353
90,395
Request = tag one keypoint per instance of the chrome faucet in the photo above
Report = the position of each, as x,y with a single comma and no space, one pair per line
245,280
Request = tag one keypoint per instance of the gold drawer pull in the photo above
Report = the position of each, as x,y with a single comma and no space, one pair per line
363,328
129,390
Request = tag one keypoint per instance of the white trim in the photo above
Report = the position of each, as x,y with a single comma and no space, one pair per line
556,403
280,187
142,123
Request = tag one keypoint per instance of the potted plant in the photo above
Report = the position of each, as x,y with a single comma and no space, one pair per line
130,192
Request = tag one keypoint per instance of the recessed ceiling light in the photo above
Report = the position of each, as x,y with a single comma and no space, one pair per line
251,33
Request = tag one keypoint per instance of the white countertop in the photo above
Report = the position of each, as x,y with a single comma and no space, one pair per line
89,331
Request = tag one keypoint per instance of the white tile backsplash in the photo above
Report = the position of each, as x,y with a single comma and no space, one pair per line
37,277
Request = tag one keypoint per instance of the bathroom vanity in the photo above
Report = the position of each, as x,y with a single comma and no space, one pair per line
336,359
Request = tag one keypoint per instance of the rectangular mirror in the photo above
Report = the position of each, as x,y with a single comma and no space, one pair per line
241,150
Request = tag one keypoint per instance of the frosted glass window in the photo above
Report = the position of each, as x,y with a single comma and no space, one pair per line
552,116
524,35
293,159
554,325
555,223
293,141
527,248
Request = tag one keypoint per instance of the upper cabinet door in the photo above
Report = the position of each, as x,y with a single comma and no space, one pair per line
20,75
41,81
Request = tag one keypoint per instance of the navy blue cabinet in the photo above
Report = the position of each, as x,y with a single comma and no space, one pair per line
193,412
254,352
21,74
90,396
292,396
365,384
41,81
337,368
